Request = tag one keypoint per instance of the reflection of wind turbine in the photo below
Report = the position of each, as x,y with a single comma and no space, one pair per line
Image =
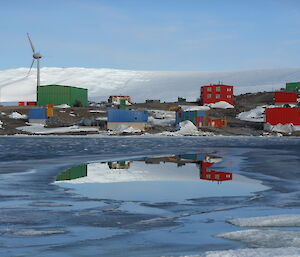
36,56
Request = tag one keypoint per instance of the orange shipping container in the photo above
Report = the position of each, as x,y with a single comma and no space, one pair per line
49,112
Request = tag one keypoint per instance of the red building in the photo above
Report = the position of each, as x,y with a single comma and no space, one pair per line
282,115
285,98
217,122
216,93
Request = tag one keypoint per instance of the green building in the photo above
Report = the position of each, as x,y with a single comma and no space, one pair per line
292,86
58,94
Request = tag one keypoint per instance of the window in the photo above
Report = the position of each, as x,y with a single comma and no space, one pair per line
218,89
207,175
227,176
228,96
217,176
208,95
218,96
209,89
228,89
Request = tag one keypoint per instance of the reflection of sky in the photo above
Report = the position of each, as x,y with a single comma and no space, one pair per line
156,182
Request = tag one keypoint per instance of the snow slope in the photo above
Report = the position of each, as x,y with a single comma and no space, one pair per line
141,85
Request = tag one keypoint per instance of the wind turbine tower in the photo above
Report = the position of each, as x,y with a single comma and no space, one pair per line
36,56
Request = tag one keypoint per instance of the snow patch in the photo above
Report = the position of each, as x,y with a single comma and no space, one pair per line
257,114
161,118
161,122
101,118
194,108
125,129
288,220
17,116
159,114
97,111
62,106
1,124
40,129
286,128
186,128
220,105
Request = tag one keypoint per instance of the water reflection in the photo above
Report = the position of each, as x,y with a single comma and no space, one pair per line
161,178
203,163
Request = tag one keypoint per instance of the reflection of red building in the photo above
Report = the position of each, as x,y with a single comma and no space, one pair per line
213,175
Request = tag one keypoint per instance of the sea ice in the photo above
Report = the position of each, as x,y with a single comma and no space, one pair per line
264,238
256,252
30,232
287,220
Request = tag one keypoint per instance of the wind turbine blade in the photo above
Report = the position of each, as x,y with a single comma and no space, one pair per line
30,42
30,68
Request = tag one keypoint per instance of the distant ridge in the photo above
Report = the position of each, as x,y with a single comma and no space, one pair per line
141,85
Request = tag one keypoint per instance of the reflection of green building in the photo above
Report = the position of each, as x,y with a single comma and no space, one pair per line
73,173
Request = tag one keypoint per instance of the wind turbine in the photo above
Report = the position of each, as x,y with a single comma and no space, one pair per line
36,56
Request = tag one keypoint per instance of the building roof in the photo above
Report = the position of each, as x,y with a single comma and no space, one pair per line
217,85
62,86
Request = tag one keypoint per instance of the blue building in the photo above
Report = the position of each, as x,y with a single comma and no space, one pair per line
130,118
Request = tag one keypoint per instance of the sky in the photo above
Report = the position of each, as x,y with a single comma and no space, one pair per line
178,35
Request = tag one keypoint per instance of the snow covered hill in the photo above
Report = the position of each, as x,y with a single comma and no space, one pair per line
141,85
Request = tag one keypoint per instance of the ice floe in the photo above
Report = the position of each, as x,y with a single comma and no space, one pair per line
264,237
256,252
29,232
287,220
